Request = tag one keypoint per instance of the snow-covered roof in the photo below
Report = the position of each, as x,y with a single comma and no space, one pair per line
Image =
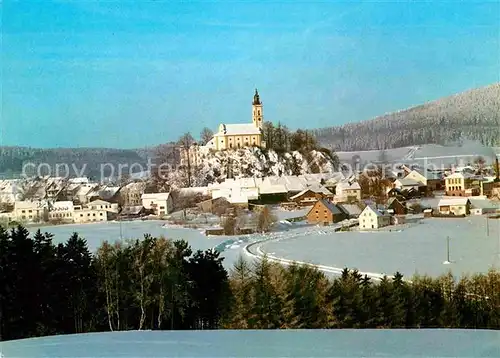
135,186
131,210
155,196
318,188
408,182
300,194
28,204
203,190
272,189
375,210
99,202
346,185
456,176
85,189
108,192
80,180
62,204
238,129
350,209
453,201
329,205
246,182
294,183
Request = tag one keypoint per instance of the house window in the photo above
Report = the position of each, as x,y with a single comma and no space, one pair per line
30,211
23,211
100,214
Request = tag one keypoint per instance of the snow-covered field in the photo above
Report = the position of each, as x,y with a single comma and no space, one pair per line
96,233
433,154
419,248
413,248
264,343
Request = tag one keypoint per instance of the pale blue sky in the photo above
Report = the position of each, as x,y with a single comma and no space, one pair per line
138,73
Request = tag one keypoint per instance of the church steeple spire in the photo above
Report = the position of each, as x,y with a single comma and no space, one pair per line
257,115
256,98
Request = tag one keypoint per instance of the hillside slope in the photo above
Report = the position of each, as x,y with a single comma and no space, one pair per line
252,162
474,114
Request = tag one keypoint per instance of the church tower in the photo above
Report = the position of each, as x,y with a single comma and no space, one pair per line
257,114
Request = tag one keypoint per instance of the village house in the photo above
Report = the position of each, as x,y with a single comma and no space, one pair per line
30,211
371,218
458,184
132,211
61,211
324,212
241,135
160,203
396,206
130,194
347,191
84,214
103,205
107,193
429,180
408,184
454,206
310,196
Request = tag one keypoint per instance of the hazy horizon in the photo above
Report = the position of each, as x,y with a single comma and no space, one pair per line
130,75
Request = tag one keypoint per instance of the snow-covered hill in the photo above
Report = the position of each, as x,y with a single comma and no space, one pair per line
209,167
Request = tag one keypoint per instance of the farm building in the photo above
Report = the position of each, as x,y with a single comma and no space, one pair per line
324,212
395,205
454,206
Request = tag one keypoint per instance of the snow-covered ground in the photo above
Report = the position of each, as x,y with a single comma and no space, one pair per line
416,248
263,343
419,248
96,233
439,155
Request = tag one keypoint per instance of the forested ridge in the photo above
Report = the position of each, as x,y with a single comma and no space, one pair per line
155,283
87,161
474,114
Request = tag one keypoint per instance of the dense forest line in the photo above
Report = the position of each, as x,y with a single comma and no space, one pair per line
155,283
81,161
474,115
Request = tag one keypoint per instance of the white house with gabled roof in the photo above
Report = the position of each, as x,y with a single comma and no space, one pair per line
371,218
160,203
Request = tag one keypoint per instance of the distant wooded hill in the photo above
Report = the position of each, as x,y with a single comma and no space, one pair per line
474,114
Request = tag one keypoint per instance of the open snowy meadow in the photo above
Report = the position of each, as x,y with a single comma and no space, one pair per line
419,247
265,343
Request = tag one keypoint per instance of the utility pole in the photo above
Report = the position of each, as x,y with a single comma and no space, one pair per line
121,231
447,262
487,226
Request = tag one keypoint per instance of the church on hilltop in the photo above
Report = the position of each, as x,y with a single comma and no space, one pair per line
230,136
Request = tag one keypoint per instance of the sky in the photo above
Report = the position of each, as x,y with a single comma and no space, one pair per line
131,74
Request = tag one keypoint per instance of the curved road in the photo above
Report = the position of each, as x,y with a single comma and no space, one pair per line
254,250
